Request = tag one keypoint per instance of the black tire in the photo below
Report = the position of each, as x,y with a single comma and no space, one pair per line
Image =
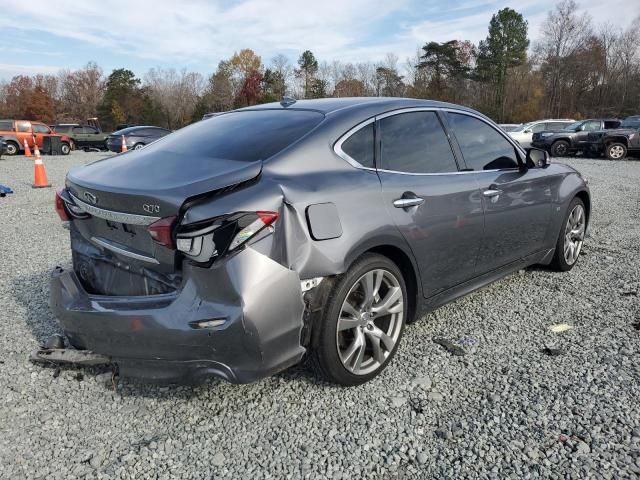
138,146
559,262
560,148
12,148
615,151
65,148
325,357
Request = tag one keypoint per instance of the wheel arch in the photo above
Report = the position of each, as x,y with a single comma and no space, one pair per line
618,139
586,199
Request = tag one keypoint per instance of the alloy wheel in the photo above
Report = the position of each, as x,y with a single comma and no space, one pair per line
574,234
616,152
370,321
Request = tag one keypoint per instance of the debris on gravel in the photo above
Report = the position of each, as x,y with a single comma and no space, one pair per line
501,411
449,346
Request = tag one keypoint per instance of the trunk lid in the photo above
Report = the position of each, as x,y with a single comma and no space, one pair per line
124,195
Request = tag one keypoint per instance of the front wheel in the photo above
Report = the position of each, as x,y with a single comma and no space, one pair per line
138,146
571,238
560,148
616,151
362,322
12,148
65,149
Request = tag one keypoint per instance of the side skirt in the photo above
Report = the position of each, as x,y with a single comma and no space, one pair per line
542,257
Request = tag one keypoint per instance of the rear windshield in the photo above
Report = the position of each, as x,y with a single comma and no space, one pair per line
243,136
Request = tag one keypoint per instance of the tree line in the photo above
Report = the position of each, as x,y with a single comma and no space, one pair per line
577,68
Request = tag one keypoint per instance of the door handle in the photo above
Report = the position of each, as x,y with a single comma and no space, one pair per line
408,202
492,192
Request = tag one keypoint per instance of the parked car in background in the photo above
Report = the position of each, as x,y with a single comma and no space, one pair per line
524,134
82,136
617,143
122,126
510,127
240,244
15,132
573,138
135,137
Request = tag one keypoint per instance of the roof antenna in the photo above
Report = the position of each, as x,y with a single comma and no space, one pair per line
287,101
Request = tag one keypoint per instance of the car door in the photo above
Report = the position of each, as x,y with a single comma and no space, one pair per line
437,208
39,132
580,137
92,136
516,200
79,137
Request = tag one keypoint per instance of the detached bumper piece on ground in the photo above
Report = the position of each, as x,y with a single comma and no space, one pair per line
238,245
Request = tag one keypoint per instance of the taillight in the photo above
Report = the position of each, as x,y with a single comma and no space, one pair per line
162,232
210,239
60,208
264,220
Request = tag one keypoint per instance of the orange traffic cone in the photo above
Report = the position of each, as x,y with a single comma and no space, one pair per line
38,170
124,145
27,150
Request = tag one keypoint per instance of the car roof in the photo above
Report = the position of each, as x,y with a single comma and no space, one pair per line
329,106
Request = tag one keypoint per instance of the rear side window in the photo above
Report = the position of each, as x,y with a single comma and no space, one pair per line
90,130
415,143
40,128
611,124
6,126
243,136
360,146
78,130
483,147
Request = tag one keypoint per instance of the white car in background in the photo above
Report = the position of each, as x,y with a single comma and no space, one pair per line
524,134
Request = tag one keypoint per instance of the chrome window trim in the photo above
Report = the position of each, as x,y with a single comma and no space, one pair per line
337,148
122,251
119,217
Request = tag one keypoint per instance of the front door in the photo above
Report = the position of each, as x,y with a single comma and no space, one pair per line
437,208
517,201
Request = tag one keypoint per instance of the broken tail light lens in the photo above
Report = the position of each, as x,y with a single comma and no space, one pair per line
162,232
208,240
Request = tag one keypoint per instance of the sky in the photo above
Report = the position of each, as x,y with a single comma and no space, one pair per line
43,36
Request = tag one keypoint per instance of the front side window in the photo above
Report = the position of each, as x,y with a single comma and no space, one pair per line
78,130
483,147
360,146
591,126
40,128
415,142
540,127
23,126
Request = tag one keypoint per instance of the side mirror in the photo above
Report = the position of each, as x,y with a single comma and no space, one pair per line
527,131
538,158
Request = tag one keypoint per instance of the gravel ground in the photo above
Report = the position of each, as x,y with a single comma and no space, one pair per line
504,410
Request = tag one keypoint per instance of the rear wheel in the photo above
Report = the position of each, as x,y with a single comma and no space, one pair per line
65,149
362,322
138,146
12,148
571,238
616,151
560,148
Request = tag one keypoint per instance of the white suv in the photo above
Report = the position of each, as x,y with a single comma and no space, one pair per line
524,134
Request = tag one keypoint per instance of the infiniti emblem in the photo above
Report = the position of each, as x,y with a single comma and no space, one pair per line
91,198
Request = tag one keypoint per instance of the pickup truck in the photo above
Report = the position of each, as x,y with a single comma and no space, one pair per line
617,143
573,138
15,132
83,136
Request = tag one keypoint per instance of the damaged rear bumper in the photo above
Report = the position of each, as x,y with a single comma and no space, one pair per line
252,304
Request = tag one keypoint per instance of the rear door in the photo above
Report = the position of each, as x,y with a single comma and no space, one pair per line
517,201
437,208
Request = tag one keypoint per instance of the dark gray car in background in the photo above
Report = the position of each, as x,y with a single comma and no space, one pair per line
242,244
135,137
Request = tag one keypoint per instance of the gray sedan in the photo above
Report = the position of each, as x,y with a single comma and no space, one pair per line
135,137
245,243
